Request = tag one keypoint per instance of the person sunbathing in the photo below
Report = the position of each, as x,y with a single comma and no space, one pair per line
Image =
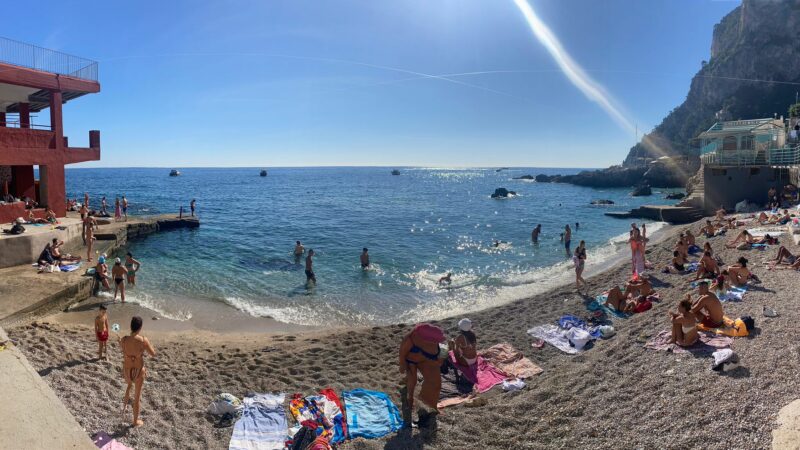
55,250
744,240
681,247
32,219
707,309
783,256
465,346
739,273
420,353
678,264
709,230
721,283
684,324
638,286
50,217
720,214
46,257
689,238
780,219
620,301
707,267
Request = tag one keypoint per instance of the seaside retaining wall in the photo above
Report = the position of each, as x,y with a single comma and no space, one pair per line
25,248
727,186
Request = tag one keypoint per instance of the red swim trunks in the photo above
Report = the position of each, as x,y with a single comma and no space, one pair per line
101,336
709,323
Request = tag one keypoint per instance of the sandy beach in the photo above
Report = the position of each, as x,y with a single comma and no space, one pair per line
615,395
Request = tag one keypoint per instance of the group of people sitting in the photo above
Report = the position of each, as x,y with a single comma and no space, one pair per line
637,291
53,256
788,195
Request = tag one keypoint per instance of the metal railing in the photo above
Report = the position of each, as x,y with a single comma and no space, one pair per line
34,57
786,156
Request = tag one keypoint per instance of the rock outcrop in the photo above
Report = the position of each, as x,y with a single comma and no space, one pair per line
524,177
503,193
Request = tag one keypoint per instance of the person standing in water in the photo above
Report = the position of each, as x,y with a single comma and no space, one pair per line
134,347
577,225
119,272
535,233
365,259
133,265
310,276
299,249
567,239
192,205
580,260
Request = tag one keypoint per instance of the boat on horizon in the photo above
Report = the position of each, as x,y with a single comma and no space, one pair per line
174,173
263,173
395,172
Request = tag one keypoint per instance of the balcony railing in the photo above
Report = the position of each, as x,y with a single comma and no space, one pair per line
34,57
786,156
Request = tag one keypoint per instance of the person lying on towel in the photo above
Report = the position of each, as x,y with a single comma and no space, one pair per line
684,324
707,309
678,264
707,267
636,291
739,273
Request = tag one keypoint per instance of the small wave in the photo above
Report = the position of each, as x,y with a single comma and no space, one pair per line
148,302
302,314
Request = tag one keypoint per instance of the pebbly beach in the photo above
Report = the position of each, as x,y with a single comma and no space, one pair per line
600,398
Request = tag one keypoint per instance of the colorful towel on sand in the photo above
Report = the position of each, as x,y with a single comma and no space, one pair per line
733,294
370,414
482,374
692,267
568,321
707,344
324,410
598,305
262,425
554,336
103,441
510,361
332,407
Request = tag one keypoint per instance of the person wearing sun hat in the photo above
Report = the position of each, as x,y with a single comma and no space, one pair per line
465,346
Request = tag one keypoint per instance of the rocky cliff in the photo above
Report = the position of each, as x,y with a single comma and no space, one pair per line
753,72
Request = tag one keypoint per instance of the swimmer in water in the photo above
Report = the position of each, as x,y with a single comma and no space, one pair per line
536,232
365,259
446,280
299,249
311,278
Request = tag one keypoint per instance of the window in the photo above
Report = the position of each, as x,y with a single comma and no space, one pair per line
747,143
729,143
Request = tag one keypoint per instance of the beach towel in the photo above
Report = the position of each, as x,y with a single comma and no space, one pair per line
325,412
333,409
370,414
598,305
101,438
692,267
730,327
115,445
554,336
262,425
568,321
510,361
482,374
456,389
706,345
693,249
70,267
733,294
762,231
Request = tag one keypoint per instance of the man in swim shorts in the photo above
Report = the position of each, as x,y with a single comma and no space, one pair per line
310,277
133,348
365,259
708,308
567,238
299,249
101,332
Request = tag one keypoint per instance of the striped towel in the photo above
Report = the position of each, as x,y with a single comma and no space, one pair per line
262,425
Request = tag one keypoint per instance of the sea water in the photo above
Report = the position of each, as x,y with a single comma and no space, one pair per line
418,226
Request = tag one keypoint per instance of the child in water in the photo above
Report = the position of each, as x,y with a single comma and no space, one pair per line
101,331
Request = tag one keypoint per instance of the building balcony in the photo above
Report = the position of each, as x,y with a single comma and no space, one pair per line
776,157
26,146
33,57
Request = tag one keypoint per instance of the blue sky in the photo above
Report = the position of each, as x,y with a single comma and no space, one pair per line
340,82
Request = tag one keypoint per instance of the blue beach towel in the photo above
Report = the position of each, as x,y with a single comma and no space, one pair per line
262,425
693,249
692,266
370,414
597,305
70,267
567,321
734,294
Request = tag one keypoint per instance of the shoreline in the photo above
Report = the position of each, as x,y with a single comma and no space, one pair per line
653,395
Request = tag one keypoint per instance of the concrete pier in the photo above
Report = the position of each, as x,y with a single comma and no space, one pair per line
26,294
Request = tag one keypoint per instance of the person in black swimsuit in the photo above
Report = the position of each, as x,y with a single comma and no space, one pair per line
365,259
420,353
119,272
310,276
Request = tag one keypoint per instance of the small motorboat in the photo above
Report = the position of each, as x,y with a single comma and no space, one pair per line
395,172
263,173
174,173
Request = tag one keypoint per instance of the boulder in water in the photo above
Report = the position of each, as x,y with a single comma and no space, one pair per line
524,177
503,193
642,190
675,196
602,202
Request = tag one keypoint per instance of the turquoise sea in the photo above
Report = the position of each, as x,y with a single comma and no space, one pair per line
417,226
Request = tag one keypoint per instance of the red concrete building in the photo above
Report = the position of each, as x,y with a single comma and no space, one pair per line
34,79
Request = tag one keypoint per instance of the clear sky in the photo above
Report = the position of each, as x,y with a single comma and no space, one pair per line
347,82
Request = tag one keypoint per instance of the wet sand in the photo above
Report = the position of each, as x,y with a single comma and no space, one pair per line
615,395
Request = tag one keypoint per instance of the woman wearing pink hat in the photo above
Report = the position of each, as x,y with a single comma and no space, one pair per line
420,352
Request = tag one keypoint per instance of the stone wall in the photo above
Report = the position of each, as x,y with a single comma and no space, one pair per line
726,186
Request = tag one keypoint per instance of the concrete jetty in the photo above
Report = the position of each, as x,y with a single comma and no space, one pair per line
26,294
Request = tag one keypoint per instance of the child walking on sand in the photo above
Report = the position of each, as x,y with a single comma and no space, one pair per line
101,331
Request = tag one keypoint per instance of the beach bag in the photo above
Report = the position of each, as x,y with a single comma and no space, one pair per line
578,337
643,306
225,404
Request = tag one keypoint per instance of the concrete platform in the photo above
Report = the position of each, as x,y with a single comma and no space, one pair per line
26,294
663,213
16,249
32,416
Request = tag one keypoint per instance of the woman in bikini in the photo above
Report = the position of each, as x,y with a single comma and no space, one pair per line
133,266
684,324
118,272
579,259
739,273
465,346
133,348
420,352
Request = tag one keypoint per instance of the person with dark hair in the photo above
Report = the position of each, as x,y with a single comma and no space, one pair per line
134,347
707,267
192,206
739,273
535,233
310,276
133,266
678,263
298,250
101,331
119,272
465,346
365,258
684,324
708,309
579,259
